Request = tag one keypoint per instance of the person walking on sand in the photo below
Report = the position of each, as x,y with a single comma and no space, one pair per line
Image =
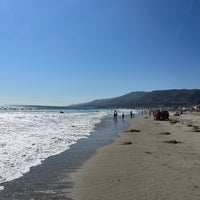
122,115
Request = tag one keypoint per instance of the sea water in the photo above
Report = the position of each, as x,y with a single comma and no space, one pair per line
29,135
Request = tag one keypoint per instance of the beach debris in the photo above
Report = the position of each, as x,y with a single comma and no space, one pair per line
127,143
196,128
190,125
173,121
173,142
165,133
148,152
133,130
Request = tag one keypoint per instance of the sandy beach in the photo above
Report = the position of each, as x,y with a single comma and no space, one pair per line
155,160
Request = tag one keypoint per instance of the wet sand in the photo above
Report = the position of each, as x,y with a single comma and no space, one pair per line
162,161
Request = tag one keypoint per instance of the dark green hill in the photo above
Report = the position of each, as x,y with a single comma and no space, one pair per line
170,98
155,98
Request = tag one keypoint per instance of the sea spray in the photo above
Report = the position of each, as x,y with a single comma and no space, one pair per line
29,136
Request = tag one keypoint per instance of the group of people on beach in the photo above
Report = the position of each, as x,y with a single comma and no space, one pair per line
123,115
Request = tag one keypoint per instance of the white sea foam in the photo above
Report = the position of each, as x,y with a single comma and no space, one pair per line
27,138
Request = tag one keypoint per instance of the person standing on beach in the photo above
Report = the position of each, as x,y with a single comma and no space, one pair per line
131,114
115,115
122,115
149,113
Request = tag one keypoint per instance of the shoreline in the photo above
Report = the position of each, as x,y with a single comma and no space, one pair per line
51,179
152,166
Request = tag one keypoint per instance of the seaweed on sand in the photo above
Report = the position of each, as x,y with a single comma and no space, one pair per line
165,133
173,121
196,128
133,130
173,142
127,143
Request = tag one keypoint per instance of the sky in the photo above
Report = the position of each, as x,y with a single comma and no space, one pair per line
62,52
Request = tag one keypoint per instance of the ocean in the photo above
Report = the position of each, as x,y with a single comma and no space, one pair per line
30,134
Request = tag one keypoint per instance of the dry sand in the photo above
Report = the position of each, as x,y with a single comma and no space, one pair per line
149,168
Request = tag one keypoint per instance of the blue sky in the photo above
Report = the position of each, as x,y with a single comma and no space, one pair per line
60,52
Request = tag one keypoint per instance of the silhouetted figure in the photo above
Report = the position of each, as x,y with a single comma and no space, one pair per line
131,114
122,115
115,115
150,113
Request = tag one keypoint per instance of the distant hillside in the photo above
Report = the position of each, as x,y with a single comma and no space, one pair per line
156,98
170,98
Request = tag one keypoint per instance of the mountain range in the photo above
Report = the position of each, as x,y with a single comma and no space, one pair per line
157,98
